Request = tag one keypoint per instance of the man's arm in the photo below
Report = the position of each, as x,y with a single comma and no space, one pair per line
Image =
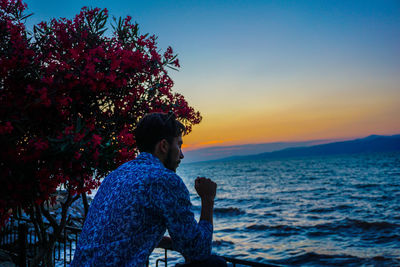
171,198
207,190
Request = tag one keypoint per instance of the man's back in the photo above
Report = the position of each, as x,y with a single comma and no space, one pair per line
131,212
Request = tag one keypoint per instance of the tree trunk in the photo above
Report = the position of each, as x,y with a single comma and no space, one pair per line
45,256
85,205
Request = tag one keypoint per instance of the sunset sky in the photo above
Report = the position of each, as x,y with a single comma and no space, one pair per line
267,71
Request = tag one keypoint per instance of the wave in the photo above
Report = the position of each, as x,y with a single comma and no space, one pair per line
334,227
222,243
275,230
258,227
228,211
360,224
331,209
377,232
228,230
316,259
365,186
378,225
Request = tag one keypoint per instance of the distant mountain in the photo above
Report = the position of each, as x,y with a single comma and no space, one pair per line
372,143
218,152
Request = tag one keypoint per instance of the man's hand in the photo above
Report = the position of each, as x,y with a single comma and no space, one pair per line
205,188
166,242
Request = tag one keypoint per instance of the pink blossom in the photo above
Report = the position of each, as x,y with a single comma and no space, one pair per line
77,155
41,145
7,128
96,140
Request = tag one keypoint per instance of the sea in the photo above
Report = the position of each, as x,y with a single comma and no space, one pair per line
341,210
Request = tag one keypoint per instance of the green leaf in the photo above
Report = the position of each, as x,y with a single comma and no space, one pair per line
102,31
63,147
26,16
172,68
78,124
56,140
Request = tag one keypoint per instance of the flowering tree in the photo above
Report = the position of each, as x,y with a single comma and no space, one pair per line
70,97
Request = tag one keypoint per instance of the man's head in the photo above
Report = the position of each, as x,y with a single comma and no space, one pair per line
161,135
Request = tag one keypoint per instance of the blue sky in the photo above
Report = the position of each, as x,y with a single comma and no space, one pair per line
267,71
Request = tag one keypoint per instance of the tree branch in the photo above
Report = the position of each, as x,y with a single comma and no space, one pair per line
49,217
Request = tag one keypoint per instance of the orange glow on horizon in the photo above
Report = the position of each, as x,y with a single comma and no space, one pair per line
304,123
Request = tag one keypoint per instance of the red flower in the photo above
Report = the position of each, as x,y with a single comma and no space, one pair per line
77,155
96,140
7,128
96,155
30,89
69,129
78,137
41,145
176,63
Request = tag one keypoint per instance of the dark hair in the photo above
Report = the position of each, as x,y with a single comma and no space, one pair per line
154,127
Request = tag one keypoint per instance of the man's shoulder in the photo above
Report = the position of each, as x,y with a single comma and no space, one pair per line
143,163
162,174
149,166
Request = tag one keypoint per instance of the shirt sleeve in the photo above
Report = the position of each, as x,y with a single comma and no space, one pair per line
171,198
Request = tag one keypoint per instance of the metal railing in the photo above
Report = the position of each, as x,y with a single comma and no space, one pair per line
20,239
233,261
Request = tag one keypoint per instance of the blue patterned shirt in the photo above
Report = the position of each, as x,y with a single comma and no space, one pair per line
130,213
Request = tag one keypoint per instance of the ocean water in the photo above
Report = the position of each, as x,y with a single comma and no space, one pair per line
316,211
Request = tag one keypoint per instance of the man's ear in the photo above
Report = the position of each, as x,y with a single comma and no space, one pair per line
163,146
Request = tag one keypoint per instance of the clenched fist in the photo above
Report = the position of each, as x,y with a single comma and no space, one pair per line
205,188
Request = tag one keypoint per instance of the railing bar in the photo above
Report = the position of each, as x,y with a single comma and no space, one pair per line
166,258
27,245
65,247
36,242
70,250
7,236
76,239
59,250
12,236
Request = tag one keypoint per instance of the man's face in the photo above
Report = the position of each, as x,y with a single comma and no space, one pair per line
175,154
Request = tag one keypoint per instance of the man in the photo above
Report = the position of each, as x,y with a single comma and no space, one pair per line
137,202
